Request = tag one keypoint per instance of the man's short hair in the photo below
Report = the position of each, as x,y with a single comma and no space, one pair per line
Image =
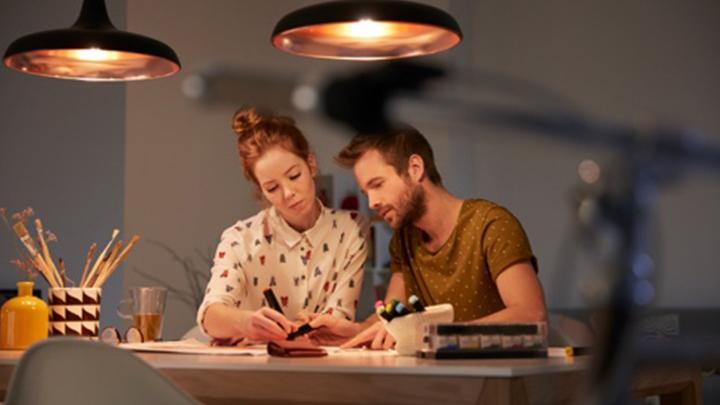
396,146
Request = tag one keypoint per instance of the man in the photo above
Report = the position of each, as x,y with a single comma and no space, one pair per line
473,254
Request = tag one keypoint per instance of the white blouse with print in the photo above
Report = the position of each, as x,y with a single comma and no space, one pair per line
319,270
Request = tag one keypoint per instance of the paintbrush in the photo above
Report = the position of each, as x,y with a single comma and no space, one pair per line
103,273
100,259
90,255
46,253
63,274
35,255
117,261
94,277
40,270
106,263
113,256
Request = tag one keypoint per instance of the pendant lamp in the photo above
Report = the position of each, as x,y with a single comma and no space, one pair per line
366,30
92,50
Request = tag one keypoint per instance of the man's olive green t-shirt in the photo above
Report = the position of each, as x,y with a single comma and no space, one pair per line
487,239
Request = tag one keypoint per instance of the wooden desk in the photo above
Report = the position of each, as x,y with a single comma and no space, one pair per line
379,378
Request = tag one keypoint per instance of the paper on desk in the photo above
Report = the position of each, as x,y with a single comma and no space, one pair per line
194,346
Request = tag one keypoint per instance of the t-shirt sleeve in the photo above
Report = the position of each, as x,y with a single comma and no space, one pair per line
505,242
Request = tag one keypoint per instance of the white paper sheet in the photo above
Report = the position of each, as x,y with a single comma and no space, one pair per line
194,346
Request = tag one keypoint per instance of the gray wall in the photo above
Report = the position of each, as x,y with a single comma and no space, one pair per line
62,150
165,166
630,62
184,185
640,63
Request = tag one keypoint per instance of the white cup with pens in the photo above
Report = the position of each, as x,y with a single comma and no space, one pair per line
407,329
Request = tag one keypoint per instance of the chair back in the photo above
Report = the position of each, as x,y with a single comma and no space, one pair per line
61,371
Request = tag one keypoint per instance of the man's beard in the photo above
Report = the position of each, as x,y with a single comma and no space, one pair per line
411,207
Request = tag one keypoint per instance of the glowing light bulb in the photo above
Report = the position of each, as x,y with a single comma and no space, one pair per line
367,29
92,54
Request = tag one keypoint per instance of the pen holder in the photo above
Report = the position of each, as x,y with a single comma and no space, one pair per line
75,312
407,330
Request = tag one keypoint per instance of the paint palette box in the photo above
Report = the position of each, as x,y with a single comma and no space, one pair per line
492,340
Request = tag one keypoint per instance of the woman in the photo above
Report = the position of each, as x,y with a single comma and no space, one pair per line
311,256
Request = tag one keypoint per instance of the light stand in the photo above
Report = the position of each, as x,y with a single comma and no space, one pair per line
652,158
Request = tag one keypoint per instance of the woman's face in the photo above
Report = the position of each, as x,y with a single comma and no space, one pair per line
286,181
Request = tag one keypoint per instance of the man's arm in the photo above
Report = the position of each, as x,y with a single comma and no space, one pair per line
522,294
371,330
396,288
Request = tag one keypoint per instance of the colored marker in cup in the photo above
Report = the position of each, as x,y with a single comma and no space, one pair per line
415,302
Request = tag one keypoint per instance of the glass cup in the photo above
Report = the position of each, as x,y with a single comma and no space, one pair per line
146,307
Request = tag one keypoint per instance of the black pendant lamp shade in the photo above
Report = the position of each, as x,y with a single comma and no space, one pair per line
366,30
93,50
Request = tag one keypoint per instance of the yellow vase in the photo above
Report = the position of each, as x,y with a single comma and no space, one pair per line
23,319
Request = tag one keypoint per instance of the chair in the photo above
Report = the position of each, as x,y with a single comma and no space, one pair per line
62,371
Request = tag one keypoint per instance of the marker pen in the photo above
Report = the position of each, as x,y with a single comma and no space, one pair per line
401,310
389,307
415,302
390,310
302,330
271,300
381,312
274,304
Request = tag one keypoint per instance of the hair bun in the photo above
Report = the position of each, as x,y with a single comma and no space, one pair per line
245,120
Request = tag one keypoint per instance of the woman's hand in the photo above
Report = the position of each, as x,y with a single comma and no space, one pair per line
264,325
303,317
376,337
331,331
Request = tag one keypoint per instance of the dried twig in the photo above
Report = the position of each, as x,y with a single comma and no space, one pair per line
197,279
179,294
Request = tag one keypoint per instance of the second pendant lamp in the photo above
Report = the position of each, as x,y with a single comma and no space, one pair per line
366,30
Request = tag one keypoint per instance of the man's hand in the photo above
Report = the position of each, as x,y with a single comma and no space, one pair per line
376,337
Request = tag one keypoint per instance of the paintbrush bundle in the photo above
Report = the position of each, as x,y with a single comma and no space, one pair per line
38,256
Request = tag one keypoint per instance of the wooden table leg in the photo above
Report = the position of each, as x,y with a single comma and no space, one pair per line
690,394
674,385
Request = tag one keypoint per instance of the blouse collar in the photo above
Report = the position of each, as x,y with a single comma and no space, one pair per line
292,237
